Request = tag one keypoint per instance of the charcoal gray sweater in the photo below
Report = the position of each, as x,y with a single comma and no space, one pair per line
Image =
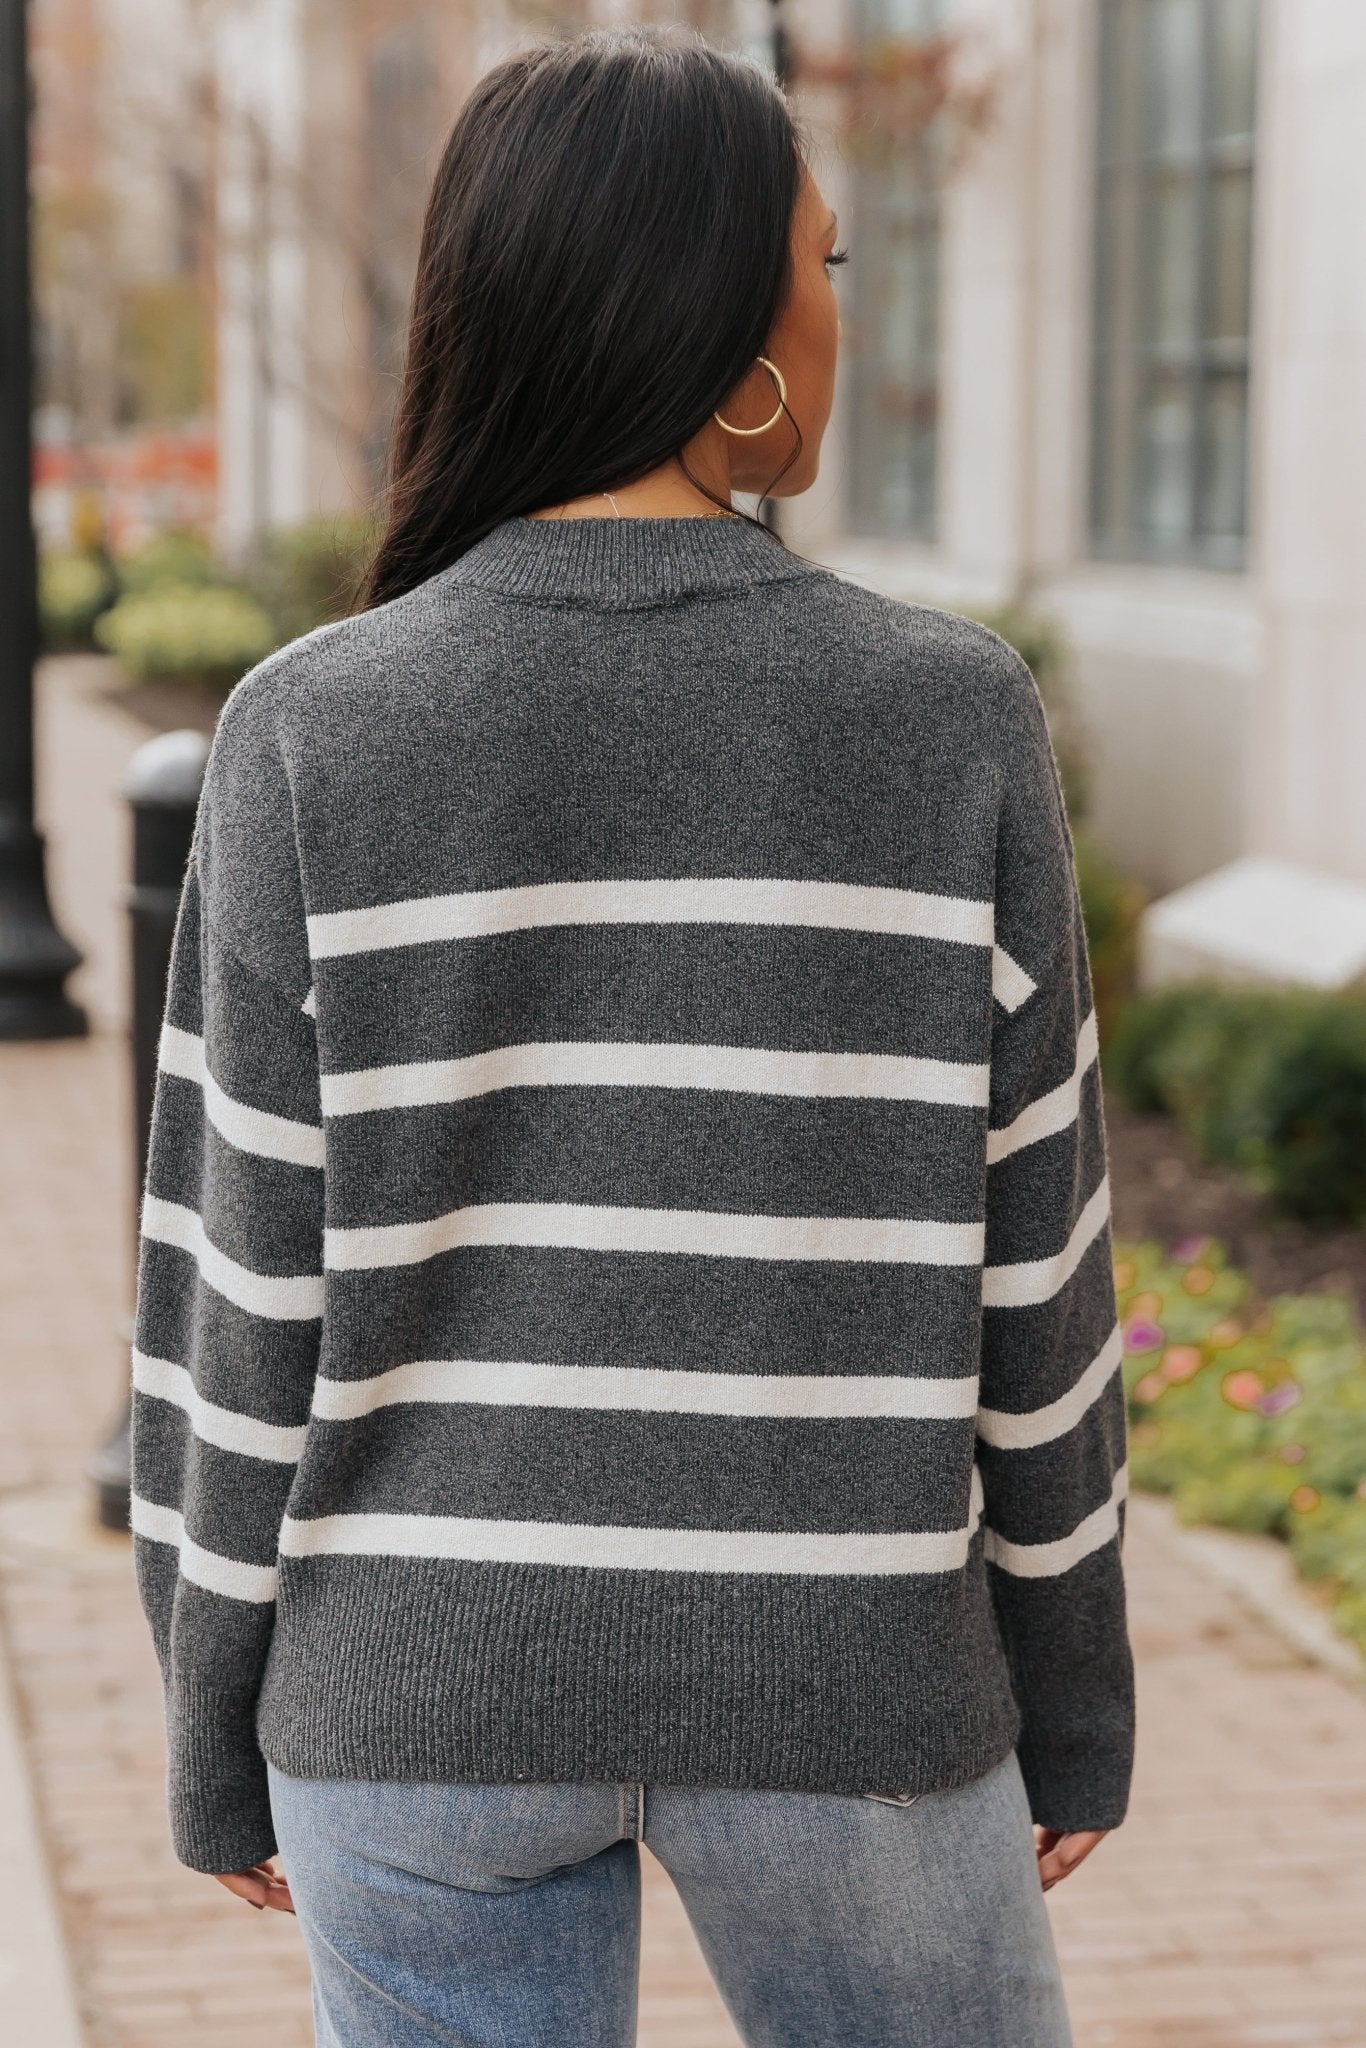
625,1282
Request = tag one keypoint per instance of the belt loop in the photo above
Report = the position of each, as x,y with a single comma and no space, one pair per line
640,1813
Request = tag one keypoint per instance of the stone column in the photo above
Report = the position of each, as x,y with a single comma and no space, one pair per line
1307,797
262,271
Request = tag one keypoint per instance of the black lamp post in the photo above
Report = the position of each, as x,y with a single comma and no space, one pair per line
34,957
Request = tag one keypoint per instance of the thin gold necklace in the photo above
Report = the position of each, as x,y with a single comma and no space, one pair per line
713,512
716,511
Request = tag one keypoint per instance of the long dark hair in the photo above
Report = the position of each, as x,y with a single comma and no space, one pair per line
605,251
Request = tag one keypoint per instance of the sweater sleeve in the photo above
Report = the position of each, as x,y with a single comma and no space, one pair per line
229,1296
1051,1424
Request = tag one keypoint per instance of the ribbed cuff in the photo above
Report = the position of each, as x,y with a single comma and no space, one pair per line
1096,1801
1076,1749
218,1793
1071,1669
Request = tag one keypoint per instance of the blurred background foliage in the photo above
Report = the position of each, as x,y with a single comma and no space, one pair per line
1269,1081
1250,1414
173,612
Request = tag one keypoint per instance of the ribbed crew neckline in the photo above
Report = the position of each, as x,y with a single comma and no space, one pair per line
619,563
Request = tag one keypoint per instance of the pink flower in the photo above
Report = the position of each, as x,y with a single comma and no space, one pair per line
1241,1389
1187,1248
1278,1399
1142,1335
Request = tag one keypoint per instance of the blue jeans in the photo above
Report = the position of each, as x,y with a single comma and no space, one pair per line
508,1916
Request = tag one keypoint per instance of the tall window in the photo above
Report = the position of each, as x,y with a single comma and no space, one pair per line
893,314
1173,269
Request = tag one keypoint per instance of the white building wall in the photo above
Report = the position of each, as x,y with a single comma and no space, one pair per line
284,116
274,362
988,315
240,512
1309,736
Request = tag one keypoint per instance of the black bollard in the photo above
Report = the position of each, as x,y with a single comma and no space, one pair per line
162,790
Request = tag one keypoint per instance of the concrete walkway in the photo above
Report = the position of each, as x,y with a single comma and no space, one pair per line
37,1993
1227,1913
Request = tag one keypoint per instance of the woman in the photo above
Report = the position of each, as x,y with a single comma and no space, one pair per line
626,1338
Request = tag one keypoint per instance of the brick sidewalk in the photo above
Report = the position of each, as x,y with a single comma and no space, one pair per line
1228,1913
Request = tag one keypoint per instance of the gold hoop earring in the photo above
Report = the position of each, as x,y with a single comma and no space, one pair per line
781,382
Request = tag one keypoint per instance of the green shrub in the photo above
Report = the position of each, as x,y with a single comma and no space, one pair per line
1111,909
1253,1495
1151,1024
1270,1081
1307,1139
187,632
1249,1414
174,557
1329,1542
73,589
304,576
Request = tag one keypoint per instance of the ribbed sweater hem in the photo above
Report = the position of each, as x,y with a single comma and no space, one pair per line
493,1673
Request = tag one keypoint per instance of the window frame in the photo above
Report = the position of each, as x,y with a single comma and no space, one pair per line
1122,369
920,206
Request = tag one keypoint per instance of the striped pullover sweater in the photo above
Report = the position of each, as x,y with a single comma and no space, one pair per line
624,1284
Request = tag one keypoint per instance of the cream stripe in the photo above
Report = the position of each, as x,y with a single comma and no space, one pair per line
579,1544
1021,1432
1050,1560
1010,985
223,1427
481,913
597,1064
309,1005
710,1233
284,1297
250,1130
1034,1280
225,1575
809,1395
1052,1112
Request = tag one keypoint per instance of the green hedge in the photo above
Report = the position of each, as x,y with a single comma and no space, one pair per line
175,558
187,632
1249,1414
73,590
1270,1081
1112,907
173,612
